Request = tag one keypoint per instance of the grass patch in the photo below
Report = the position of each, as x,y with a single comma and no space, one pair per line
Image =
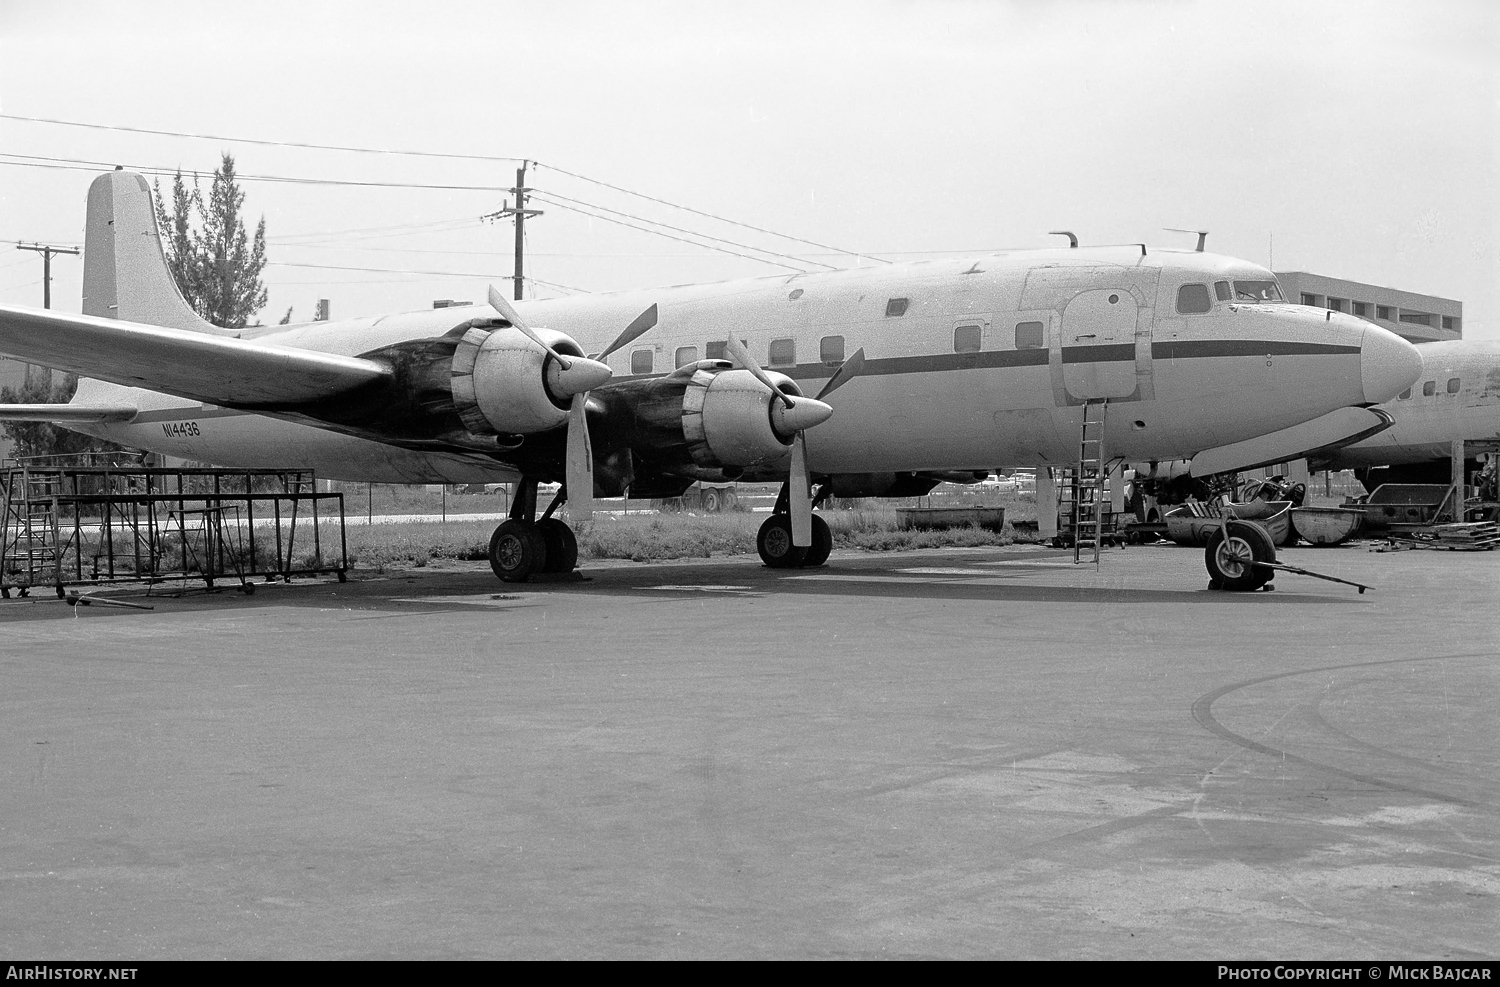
646,537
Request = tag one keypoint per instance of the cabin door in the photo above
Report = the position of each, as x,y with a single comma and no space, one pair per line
1099,344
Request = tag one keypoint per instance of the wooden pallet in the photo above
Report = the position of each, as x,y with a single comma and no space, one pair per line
1473,536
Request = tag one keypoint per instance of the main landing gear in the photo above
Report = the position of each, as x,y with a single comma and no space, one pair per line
522,547
774,541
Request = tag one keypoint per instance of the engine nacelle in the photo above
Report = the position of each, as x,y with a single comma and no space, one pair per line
501,381
728,418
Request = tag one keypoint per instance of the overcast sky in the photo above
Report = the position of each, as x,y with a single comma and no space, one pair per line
1357,140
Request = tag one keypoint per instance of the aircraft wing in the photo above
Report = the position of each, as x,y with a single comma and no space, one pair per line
67,413
198,366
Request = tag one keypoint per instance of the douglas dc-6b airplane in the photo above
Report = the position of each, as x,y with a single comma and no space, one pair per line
1458,397
916,369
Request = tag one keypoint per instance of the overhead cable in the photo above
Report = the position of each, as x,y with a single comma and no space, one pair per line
700,212
263,143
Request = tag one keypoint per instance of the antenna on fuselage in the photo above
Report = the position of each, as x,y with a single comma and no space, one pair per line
1072,239
1202,235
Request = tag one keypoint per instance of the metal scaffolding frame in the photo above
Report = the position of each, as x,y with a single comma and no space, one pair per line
77,522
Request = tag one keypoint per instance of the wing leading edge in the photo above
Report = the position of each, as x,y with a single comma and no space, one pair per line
198,366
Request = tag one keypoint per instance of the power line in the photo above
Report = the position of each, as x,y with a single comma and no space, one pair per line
263,143
642,219
441,274
699,212
82,164
644,229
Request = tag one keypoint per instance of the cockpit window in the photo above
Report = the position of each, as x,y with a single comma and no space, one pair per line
1257,291
1221,290
1192,299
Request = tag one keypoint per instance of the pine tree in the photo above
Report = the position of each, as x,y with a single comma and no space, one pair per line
217,266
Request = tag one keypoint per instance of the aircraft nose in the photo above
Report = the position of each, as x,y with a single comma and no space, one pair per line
1388,364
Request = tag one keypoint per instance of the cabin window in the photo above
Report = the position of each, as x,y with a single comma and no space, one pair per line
686,355
1030,336
831,349
1222,291
1192,299
783,353
1452,385
896,306
716,351
642,361
1429,389
1404,395
966,339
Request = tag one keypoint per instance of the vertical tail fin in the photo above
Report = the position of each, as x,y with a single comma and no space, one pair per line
125,274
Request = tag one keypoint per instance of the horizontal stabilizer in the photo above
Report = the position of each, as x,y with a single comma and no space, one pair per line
1333,430
67,413
202,367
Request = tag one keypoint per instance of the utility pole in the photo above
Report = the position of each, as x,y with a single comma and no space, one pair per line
46,250
520,212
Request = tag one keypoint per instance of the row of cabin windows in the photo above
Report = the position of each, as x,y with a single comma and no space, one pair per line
783,352
1429,389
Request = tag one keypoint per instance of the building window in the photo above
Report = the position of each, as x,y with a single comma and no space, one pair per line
1310,299
831,349
1222,291
1404,395
966,339
1429,389
1383,312
686,355
896,306
1361,309
1452,385
642,361
1450,323
1030,336
1192,299
1416,318
783,353
1336,304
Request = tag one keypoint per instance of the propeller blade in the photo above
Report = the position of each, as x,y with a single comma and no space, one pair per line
642,322
799,499
499,304
579,466
743,358
846,372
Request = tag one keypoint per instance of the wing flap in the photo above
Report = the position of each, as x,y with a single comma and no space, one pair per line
216,369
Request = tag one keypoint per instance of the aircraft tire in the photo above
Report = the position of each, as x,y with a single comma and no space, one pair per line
517,550
711,501
774,542
562,545
822,544
1229,559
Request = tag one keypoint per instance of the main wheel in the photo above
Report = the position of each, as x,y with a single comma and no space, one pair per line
822,544
517,550
774,542
1230,560
562,546
711,501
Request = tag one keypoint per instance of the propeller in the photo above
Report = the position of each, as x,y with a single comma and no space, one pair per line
570,375
795,415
